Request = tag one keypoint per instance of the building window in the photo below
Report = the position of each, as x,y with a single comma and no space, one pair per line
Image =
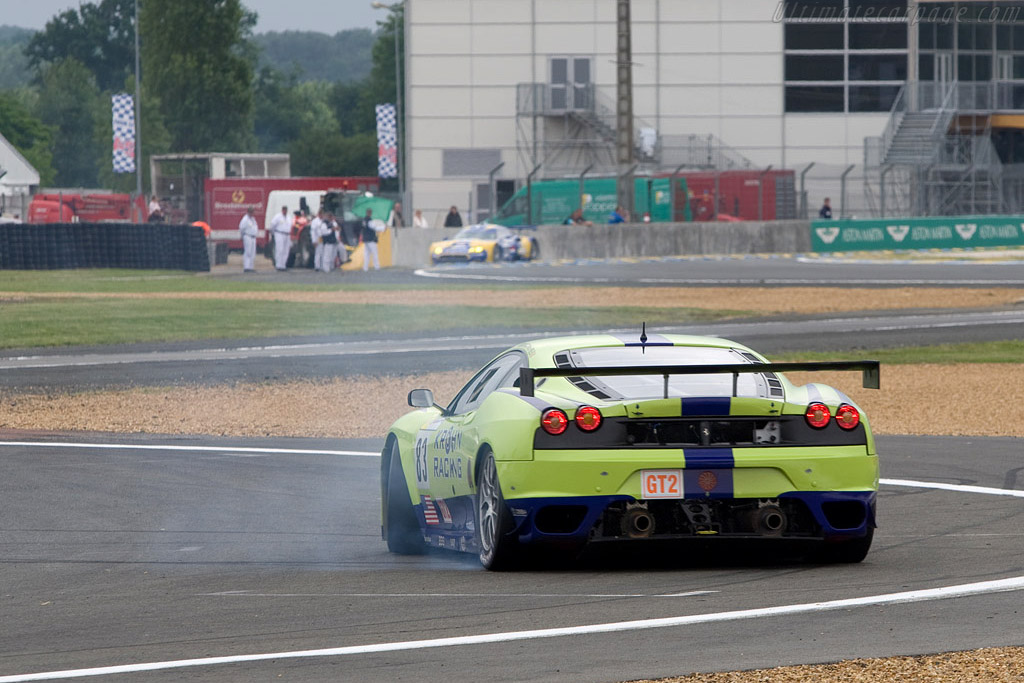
852,60
814,36
873,97
570,86
814,67
810,98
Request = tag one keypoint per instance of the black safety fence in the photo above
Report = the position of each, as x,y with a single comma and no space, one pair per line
54,246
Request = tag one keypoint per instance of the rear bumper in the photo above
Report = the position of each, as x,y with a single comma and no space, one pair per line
802,515
785,492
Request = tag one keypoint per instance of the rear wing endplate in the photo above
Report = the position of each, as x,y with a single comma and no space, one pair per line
870,369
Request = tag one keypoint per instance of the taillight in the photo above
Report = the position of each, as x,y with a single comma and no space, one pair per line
554,421
847,417
818,415
588,418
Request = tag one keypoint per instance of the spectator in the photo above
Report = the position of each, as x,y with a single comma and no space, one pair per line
369,237
395,219
249,229
617,216
647,216
316,238
329,235
826,209
576,218
281,229
453,219
156,212
418,221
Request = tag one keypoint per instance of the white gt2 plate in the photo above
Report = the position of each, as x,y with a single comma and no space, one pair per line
661,484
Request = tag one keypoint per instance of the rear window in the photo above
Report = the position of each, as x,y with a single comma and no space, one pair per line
653,386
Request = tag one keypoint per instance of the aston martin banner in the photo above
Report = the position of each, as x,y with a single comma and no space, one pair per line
946,232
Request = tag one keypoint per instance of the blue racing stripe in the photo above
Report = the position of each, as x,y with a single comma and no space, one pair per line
708,483
714,407
708,457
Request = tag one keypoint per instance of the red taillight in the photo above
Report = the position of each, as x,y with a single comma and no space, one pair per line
588,418
554,421
847,417
818,415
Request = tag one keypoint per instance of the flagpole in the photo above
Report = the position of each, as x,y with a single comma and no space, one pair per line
138,116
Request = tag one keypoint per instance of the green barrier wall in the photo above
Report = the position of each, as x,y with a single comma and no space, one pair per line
946,232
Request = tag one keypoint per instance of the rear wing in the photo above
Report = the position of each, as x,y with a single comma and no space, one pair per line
870,368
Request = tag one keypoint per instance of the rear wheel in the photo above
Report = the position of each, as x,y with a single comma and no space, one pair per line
847,552
401,528
493,519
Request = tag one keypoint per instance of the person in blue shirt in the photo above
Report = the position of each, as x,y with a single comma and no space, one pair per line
617,216
826,209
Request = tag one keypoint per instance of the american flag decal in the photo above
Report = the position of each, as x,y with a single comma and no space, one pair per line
446,514
429,511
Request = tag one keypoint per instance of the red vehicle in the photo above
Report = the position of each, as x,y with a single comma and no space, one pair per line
738,194
227,199
85,207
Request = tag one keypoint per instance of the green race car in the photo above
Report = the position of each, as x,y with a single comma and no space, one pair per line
590,439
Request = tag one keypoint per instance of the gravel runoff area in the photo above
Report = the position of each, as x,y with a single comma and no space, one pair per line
294,408
286,409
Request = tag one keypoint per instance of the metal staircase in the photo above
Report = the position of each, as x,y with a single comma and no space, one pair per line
916,140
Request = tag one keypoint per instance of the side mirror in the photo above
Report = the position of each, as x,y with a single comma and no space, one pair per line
421,398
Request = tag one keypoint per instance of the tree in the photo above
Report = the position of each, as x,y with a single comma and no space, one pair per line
100,36
70,103
334,154
30,136
195,54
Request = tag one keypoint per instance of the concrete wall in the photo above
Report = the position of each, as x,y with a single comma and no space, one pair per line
640,239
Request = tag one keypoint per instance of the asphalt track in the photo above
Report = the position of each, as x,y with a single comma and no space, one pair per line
267,552
240,560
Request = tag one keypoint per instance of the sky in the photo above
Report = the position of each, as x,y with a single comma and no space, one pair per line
325,16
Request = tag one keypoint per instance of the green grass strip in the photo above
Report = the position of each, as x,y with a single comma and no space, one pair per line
1009,351
62,322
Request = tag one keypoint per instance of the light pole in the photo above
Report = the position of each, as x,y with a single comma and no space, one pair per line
396,8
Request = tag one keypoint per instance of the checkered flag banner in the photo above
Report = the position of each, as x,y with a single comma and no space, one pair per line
387,141
124,133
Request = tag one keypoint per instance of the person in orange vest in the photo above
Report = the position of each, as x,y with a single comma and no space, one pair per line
204,226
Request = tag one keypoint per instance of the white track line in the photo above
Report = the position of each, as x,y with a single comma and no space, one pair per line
964,590
962,488
206,449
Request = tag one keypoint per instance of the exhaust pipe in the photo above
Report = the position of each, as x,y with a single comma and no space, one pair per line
637,523
769,520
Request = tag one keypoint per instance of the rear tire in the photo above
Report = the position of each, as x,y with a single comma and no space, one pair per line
401,527
847,552
494,525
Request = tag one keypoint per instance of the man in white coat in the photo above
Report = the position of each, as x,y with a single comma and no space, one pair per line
316,235
249,229
281,227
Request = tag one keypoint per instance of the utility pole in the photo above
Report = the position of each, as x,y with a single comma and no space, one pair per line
625,189
138,114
